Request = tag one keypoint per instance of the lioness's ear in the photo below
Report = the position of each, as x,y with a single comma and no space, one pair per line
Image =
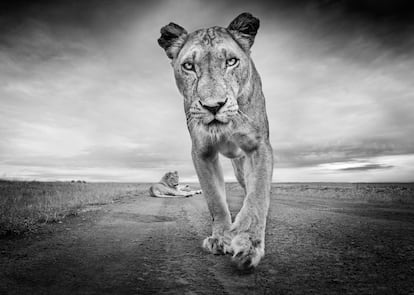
244,29
172,39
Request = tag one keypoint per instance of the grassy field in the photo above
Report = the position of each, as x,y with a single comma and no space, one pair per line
26,205
362,192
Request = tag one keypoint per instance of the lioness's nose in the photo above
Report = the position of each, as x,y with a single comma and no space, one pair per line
213,108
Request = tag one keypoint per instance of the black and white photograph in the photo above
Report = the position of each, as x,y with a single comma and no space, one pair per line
206,147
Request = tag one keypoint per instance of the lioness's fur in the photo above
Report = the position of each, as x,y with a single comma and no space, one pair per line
168,187
226,114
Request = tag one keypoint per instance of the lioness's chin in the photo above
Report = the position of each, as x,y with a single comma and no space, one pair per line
217,127
217,130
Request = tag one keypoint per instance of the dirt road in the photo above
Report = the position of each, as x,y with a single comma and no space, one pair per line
143,245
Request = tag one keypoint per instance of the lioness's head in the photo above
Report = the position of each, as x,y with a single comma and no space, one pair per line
212,69
171,179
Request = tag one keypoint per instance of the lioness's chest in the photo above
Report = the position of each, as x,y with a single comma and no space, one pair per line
230,149
239,144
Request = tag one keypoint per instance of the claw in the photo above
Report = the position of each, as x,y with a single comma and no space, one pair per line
214,245
247,252
238,255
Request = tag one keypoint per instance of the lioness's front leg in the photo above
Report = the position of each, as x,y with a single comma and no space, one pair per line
248,229
211,180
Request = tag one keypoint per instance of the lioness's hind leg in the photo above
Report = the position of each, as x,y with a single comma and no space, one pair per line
238,166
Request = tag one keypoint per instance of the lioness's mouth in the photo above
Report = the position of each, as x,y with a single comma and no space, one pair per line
216,122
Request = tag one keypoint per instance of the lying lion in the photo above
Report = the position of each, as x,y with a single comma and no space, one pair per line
226,114
168,187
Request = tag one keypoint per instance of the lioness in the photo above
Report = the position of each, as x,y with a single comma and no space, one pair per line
168,187
225,110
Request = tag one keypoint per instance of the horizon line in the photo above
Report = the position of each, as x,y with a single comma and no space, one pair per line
146,182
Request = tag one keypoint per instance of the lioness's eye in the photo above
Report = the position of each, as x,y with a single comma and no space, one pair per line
188,66
232,62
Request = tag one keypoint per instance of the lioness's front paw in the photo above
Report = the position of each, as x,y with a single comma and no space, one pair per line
247,252
217,245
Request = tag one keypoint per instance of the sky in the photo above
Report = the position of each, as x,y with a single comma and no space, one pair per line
87,93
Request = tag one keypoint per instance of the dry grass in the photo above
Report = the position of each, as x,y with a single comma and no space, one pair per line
24,205
362,192
387,193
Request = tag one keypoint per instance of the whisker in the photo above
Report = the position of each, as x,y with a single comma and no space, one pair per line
244,115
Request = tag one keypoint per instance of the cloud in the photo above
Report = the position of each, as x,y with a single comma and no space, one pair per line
86,90
393,168
296,155
367,167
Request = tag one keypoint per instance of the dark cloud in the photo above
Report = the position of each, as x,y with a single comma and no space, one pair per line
374,10
96,15
339,23
313,155
367,167
370,10
389,23
83,84
101,15
50,28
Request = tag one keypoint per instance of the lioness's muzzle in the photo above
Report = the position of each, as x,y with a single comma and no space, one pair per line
213,107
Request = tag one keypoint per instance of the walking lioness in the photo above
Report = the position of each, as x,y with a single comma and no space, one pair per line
226,114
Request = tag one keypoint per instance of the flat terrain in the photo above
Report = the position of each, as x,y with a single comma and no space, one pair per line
321,239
